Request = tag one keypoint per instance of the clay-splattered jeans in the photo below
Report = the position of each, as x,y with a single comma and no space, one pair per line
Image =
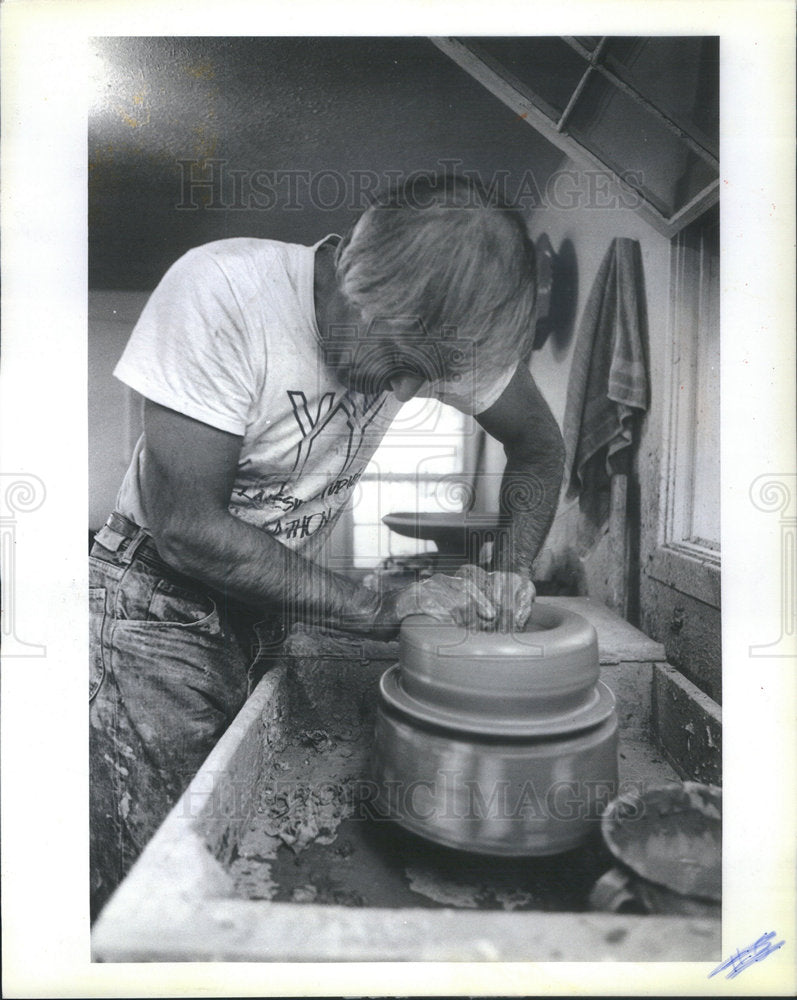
171,664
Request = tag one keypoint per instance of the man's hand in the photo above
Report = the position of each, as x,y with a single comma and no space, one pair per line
459,599
472,597
511,594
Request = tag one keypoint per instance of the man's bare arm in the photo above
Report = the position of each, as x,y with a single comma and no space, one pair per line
522,421
188,476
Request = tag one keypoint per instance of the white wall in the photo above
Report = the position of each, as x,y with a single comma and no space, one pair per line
589,231
114,410
689,628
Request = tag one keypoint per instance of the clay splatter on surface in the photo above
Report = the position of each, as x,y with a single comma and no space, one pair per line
253,878
315,839
310,790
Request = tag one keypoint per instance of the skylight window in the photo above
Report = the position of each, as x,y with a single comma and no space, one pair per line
645,109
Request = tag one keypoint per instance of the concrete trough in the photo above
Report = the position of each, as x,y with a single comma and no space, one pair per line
270,856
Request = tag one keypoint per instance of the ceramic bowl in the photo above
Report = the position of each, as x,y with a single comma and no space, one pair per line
670,835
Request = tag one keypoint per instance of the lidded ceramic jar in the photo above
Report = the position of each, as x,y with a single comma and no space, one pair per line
500,743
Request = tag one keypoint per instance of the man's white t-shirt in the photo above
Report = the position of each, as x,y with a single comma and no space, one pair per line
229,338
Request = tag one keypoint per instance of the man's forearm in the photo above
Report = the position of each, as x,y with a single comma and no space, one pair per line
529,497
257,570
523,422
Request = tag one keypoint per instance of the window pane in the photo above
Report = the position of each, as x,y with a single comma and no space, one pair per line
549,67
680,75
693,507
706,472
376,497
445,494
373,544
425,440
424,430
373,541
629,138
410,460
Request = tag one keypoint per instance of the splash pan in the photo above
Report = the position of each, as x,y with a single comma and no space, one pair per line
275,853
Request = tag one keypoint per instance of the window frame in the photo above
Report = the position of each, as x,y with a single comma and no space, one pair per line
678,561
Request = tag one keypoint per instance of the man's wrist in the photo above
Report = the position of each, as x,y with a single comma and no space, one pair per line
359,608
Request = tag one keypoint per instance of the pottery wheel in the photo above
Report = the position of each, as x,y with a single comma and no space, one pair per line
599,705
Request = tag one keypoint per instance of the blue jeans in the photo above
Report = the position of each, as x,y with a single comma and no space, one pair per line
172,662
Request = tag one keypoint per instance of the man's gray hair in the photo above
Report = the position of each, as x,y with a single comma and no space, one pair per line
440,249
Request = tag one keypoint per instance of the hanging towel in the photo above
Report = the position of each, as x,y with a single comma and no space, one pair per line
608,377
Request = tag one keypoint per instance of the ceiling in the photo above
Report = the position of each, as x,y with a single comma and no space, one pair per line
196,139
290,131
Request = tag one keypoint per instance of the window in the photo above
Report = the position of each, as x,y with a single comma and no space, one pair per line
688,556
417,467
644,110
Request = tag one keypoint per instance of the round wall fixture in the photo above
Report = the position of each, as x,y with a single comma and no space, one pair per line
546,263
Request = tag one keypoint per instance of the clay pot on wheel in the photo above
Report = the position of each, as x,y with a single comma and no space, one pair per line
493,742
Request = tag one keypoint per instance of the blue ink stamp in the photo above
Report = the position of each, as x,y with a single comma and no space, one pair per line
744,957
